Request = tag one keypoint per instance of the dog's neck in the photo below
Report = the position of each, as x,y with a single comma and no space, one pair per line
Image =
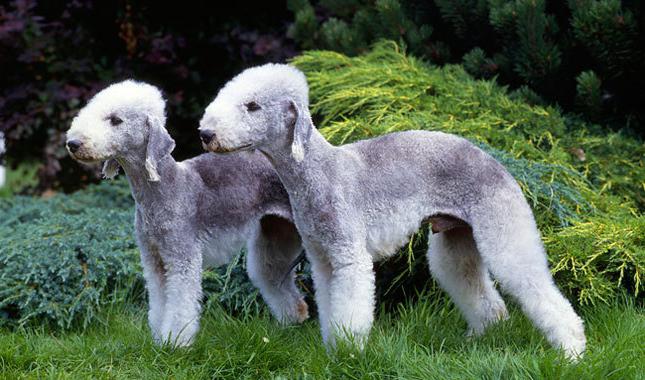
301,177
144,190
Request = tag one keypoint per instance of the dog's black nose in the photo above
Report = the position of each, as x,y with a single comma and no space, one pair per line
73,145
206,136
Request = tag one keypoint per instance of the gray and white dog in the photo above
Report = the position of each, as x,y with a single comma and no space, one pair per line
192,213
358,203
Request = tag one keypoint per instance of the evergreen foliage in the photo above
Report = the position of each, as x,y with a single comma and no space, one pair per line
609,33
355,25
597,256
476,63
463,14
62,257
535,43
589,93
527,32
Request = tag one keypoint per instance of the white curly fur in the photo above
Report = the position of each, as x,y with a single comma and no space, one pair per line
195,213
357,203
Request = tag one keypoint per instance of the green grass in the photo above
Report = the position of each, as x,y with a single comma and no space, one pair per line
424,340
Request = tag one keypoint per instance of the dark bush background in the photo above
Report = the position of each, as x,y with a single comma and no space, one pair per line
54,55
585,56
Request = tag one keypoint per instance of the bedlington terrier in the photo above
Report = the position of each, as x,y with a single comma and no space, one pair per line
357,203
190,214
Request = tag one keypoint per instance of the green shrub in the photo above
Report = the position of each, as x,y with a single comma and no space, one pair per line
596,257
61,258
521,43
355,25
608,31
476,63
589,93
585,186
615,164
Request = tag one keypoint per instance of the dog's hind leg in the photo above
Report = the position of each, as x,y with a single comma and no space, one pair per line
512,249
458,268
271,252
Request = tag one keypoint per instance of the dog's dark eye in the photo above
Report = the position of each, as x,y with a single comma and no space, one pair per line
115,120
252,106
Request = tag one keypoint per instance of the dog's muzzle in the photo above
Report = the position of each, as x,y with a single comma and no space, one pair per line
80,152
206,136
73,146
210,143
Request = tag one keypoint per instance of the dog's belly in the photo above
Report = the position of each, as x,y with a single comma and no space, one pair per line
221,247
388,233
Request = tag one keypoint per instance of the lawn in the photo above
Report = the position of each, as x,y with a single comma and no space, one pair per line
421,340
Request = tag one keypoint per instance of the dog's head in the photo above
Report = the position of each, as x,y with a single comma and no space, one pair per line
264,107
125,120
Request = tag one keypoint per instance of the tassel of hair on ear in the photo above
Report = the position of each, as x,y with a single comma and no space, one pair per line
153,176
110,169
297,151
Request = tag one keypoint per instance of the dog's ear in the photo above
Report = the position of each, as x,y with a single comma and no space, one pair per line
160,144
110,168
302,125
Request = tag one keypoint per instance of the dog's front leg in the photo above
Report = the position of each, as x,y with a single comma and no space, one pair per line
351,296
183,297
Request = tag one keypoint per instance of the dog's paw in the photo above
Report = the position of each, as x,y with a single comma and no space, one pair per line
302,311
